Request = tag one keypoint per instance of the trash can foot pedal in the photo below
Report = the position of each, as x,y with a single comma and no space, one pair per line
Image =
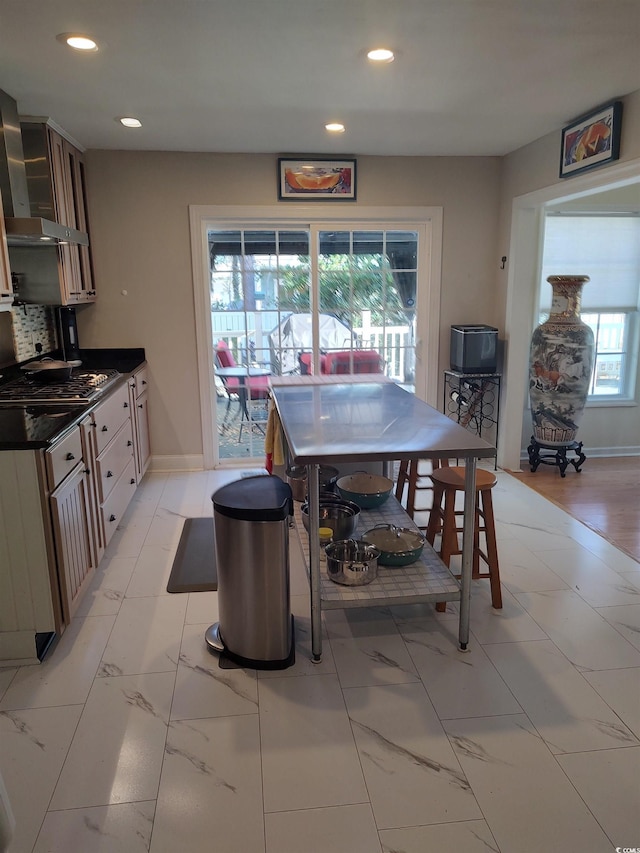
213,639
228,658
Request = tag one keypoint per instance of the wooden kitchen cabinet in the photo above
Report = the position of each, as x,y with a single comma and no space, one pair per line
59,507
6,289
139,401
114,463
68,481
71,515
57,190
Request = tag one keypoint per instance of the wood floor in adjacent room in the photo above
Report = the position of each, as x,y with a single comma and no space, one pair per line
604,495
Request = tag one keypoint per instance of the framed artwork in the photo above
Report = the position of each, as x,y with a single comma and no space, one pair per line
314,180
591,140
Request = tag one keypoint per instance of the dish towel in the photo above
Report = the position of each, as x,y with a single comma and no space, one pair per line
273,440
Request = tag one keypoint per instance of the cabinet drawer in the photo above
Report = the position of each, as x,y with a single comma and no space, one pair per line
114,459
114,507
140,381
63,457
110,415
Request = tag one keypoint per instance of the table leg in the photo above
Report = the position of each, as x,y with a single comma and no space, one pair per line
467,551
314,562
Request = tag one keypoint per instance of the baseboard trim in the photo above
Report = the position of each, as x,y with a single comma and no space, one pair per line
191,462
596,452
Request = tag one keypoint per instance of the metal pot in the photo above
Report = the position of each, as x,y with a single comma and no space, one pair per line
49,370
341,516
297,479
351,562
398,546
367,490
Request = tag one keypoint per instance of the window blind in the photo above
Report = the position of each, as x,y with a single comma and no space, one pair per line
606,248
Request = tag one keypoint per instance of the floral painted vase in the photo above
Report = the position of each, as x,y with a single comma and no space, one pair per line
561,362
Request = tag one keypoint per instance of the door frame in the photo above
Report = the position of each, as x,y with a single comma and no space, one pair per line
201,217
522,289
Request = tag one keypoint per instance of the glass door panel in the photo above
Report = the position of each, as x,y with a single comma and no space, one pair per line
367,279
276,307
256,276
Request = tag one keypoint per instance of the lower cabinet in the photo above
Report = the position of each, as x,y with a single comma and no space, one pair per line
59,510
139,402
71,515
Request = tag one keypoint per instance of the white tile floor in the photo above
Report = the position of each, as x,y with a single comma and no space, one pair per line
131,738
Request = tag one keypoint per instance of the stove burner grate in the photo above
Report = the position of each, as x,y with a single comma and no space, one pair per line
83,386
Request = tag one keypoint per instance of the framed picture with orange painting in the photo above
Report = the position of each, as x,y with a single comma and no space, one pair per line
314,180
591,140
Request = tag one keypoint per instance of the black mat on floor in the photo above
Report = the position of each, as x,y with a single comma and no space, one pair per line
194,566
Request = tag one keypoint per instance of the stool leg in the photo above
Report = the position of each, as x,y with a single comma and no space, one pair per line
492,552
413,481
402,479
435,516
449,543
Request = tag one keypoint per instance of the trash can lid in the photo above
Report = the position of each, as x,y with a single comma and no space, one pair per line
260,498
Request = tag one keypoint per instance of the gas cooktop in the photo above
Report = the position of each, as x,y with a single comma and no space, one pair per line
83,387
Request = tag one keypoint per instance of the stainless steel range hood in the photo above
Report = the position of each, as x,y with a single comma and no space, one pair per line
22,228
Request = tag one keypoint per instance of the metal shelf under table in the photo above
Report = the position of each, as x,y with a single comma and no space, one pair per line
428,579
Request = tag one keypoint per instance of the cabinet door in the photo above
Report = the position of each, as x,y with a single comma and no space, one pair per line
84,291
61,180
70,510
143,442
89,454
6,290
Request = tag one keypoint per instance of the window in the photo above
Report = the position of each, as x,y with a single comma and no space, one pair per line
607,249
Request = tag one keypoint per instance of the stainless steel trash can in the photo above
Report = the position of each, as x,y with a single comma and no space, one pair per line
251,534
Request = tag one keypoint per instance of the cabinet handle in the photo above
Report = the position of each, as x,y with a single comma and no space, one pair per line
129,443
69,457
133,482
105,429
112,518
140,406
87,471
144,381
125,405
109,474
93,424
133,385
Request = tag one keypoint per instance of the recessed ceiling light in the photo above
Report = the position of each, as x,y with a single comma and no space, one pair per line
381,54
335,127
78,41
129,121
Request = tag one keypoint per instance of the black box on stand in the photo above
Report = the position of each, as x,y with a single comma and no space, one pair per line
474,349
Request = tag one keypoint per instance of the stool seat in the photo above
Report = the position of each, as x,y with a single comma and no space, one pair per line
443,519
454,478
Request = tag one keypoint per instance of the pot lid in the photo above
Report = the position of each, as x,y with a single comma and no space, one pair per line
393,539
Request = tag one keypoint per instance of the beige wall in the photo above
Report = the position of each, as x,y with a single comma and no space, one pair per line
535,168
138,206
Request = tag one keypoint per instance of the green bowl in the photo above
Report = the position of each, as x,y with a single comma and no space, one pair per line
367,490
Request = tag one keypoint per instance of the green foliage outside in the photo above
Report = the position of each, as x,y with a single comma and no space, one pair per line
348,285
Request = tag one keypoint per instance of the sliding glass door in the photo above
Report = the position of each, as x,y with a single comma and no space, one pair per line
305,299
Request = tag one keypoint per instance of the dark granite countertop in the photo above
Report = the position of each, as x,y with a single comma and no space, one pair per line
29,426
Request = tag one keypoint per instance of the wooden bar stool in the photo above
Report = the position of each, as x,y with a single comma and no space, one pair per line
443,517
410,476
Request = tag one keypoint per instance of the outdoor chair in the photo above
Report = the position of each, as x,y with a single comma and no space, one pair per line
245,389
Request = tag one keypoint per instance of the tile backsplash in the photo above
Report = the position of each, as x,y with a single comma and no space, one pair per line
31,325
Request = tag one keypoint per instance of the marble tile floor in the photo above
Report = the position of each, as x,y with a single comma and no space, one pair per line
131,738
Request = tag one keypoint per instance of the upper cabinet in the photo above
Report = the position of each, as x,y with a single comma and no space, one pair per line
62,274
6,290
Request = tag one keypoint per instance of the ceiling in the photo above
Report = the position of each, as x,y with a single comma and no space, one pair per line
471,77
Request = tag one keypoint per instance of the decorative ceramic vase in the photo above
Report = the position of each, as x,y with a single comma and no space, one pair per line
562,350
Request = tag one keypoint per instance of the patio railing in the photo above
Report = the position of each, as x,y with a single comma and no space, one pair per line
392,342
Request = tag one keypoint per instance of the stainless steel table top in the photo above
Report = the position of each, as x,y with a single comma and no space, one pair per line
368,421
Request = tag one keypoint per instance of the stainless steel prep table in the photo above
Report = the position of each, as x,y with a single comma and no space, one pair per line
371,419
